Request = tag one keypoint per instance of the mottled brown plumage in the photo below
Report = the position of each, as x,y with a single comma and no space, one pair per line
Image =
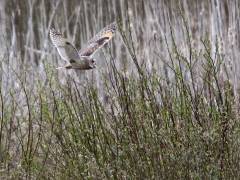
83,59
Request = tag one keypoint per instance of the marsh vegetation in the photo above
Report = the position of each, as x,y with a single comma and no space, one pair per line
163,102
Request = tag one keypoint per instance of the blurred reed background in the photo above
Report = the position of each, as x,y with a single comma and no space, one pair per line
25,29
159,36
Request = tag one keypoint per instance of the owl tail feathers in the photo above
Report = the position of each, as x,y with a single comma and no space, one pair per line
59,67
67,66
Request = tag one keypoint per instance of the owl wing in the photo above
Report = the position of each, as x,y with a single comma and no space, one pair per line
65,49
98,40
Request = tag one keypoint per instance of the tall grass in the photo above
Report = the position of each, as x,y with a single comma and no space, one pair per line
162,103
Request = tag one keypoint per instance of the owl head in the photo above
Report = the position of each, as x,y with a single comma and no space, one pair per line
92,63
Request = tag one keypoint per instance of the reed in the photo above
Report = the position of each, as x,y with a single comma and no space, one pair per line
162,103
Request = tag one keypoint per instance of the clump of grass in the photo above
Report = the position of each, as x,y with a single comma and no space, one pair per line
150,125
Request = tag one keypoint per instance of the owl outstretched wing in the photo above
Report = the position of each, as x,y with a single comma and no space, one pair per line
98,40
65,49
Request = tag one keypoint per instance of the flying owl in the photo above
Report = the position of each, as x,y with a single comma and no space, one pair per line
82,59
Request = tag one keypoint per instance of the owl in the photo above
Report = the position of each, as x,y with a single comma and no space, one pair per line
83,59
